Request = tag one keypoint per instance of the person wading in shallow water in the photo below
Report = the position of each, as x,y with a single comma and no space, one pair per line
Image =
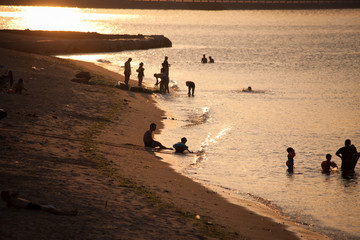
328,164
204,59
290,161
191,87
349,156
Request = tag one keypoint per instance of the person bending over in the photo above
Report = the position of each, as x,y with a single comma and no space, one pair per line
191,87
13,200
149,141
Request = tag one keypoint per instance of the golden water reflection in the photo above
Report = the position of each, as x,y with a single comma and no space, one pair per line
53,18
59,18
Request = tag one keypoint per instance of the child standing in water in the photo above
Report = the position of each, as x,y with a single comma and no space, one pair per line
140,71
328,165
290,161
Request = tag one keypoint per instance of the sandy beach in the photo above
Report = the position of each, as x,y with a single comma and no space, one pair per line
78,145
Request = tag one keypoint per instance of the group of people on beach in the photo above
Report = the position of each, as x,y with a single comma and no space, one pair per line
162,78
149,141
7,81
348,155
127,72
163,75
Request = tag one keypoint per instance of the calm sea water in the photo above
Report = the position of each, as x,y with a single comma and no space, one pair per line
304,68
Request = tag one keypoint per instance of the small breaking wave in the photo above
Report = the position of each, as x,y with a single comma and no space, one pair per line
197,119
103,61
201,154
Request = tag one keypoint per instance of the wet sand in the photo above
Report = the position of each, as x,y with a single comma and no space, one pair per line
77,145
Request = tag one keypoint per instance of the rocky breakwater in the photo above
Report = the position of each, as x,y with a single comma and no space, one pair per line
65,42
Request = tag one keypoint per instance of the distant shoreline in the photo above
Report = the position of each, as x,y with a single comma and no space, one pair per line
194,4
67,42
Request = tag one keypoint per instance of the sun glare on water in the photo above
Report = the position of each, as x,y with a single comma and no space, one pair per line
64,19
53,18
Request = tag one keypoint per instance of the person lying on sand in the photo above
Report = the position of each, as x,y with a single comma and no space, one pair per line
149,141
13,200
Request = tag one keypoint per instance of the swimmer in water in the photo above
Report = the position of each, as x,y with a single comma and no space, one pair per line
248,89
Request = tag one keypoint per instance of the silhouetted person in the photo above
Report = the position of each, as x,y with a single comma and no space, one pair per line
3,114
141,74
328,165
204,59
180,147
290,161
164,84
13,200
127,71
166,65
18,86
148,138
349,156
11,78
191,87
248,89
211,60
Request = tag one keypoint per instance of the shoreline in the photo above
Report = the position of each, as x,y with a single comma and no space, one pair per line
70,42
94,156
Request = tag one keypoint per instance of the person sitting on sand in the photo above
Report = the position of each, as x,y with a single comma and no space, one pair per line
7,78
204,59
191,87
290,161
3,114
180,147
149,141
328,165
211,60
18,86
13,200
